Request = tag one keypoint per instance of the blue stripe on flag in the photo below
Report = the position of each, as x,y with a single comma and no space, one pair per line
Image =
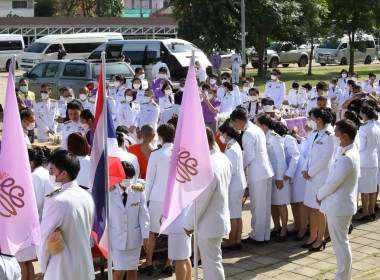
99,195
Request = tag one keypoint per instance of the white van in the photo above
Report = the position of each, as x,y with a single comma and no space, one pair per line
77,46
9,45
176,53
337,51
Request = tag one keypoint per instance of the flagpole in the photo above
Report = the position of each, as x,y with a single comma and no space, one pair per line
109,259
14,66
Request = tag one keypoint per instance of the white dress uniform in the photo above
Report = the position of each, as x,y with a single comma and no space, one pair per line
338,197
342,83
46,111
70,210
276,153
292,156
68,128
127,114
235,92
297,97
317,164
140,96
82,178
227,103
244,97
112,104
276,91
372,89
129,226
144,84
179,244
126,156
213,217
255,158
9,268
201,73
298,182
166,102
157,174
235,65
168,114
88,105
156,68
292,97
117,93
369,134
62,106
238,182
149,114
357,144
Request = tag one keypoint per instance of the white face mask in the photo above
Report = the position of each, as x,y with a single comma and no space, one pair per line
253,98
136,86
85,126
126,183
354,79
210,96
325,93
212,81
69,99
62,98
162,76
82,96
129,98
332,85
31,126
142,77
222,139
168,92
251,84
181,89
245,89
52,179
224,80
273,77
313,124
344,75
147,99
44,96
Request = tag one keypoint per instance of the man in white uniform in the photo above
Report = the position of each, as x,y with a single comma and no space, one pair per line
168,114
212,213
235,65
226,77
84,94
200,71
275,89
149,111
338,196
74,109
260,174
46,111
69,209
157,66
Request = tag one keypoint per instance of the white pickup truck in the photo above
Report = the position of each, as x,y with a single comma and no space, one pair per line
284,53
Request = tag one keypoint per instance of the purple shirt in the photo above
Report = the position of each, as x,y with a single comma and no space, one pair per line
157,89
207,115
216,60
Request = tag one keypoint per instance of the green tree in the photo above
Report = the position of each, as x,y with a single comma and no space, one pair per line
109,8
45,8
69,8
353,18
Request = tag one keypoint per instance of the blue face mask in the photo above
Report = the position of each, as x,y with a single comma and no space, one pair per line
24,88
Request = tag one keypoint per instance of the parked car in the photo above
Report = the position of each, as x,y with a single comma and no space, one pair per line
10,44
72,73
284,53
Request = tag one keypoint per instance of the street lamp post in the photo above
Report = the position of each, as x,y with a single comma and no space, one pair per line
243,55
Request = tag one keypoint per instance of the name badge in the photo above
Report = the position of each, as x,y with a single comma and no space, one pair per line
135,204
319,142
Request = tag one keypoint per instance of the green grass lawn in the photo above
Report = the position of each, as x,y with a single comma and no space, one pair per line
319,74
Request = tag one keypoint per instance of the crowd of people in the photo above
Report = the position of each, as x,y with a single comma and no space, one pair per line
319,175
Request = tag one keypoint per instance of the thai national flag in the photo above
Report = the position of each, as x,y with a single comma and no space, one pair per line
97,176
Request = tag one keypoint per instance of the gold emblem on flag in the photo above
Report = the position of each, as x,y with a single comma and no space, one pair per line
186,167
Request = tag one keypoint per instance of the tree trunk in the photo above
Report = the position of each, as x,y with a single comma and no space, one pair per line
311,57
262,40
352,51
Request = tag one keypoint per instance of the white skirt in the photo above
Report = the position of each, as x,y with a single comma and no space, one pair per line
26,255
297,187
235,203
155,212
126,259
311,191
367,182
280,197
179,246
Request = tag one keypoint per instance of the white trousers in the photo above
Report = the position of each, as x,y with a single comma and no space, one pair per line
338,228
9,268
235,72
260,202
211,255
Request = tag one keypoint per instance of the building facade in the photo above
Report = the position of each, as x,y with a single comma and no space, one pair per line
154,5
22,8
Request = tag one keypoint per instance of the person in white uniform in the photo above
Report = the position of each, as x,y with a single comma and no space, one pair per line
84,95
280,188
212,213
253,106
71,210
315,172
275,89
156,182
342,81
369,134
129,220
74,109
46,111
159,64
166,101
235,66
226,77
9,268
228,101
371,86
149,111
128,111
260,173
119,87
200,71
137,86
139,74
168,114
335,95
237,185
28,122
338,196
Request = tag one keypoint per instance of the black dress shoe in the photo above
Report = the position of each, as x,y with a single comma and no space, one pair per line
292,233
351,228
274,233
231,247
238,246
323,245
328,239
168,270
360,210
376,207
372,216
308,245
296,238
249,240
282,238
148,269
366,218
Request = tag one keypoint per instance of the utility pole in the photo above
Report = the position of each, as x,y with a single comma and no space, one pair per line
243,52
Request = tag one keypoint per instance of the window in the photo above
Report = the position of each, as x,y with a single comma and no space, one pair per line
81,47
370,44
51,70
53,48
37,47
113,69
19,4
343,46
10,45
38,71
75,70
142,53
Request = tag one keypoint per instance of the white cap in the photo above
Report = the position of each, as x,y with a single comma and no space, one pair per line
268,109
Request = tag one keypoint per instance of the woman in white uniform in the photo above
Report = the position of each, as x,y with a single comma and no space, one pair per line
280,188
128,111
42,187
166,100
315,172
369,134
156,181
237,185
137,86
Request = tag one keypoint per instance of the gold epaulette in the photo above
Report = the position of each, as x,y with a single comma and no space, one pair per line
162,95
134,101
39,100
122,102
313,98
110,97
139,188
154,103
246,102
345,152
54,192
229,146
273,133
328,132
66,122
92,102
364,123
53,100
112,188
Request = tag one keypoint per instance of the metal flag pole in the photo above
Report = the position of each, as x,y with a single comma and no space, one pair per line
195,214
14,66
109,259
243,53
